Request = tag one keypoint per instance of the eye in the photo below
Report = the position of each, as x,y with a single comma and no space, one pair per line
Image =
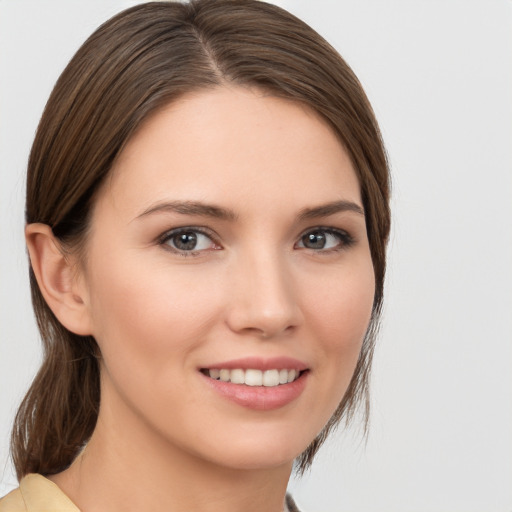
325,239
188,240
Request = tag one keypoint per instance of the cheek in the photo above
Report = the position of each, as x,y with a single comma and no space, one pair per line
147,328
143,311
338,319
341,308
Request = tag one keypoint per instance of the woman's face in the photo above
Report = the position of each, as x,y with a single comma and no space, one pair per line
229,243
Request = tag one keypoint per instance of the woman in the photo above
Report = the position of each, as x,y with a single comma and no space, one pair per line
207,215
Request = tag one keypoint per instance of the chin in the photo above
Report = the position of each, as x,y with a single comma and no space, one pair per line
260,450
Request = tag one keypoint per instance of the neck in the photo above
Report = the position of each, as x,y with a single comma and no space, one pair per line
132,469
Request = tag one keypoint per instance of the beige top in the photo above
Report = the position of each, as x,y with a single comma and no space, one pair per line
38,494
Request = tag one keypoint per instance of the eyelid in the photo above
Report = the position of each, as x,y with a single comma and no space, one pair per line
167,235
346,239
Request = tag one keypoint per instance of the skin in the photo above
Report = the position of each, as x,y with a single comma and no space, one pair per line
252,289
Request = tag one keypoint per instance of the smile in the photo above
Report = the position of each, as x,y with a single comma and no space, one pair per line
257,389
254,377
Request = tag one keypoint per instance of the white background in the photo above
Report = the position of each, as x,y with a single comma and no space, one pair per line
439,74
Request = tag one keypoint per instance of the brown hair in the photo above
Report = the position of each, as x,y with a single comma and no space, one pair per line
133,65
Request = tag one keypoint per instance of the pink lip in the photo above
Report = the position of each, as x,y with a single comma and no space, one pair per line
260,363
260,398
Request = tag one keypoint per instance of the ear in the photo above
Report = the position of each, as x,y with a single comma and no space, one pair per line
61,285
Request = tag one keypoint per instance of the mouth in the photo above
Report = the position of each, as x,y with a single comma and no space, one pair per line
258,384
261,384
254,377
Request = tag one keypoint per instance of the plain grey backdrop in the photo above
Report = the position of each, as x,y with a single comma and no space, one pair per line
439,75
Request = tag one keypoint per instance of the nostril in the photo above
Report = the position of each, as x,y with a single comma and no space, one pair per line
263,316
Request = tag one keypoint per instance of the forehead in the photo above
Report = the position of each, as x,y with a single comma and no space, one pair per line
235,145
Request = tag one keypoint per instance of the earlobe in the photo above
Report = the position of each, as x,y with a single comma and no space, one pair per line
60,285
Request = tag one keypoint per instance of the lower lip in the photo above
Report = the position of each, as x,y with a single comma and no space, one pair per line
260,398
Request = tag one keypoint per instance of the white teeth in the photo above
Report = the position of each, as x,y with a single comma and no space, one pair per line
271,378
253,377
268,378
237,377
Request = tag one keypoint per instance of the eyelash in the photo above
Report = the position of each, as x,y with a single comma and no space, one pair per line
168,235
344,238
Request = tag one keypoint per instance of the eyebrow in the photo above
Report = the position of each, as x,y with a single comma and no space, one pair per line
330,209
209,210
191,208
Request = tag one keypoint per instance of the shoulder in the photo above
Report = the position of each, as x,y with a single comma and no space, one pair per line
36,494
13,502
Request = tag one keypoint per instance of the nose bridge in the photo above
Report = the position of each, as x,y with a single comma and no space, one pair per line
264,301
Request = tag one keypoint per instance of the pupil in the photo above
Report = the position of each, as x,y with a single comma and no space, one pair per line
314,240
185,241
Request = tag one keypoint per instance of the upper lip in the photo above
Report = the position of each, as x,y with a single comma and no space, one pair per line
260,363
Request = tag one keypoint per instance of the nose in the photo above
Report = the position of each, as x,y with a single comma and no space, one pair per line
263,297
